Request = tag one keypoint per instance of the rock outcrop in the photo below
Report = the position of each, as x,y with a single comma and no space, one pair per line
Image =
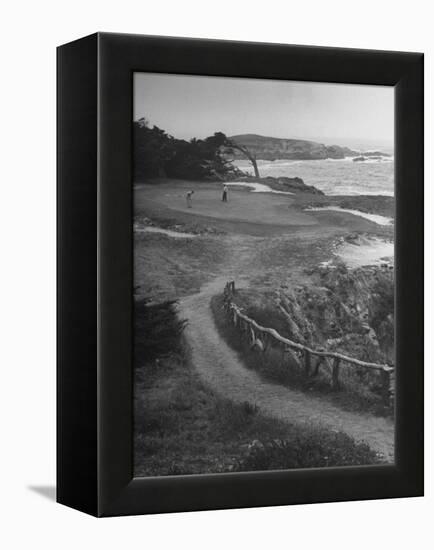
351,311
375,154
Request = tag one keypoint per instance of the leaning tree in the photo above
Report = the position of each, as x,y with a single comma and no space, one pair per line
231,144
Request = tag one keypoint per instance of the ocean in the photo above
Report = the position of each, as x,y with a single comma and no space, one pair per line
333,177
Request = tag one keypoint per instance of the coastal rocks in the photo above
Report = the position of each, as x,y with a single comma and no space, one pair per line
337,152
350,311
371,155
375,154
297,185
291,185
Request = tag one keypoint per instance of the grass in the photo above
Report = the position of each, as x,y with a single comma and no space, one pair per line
272,367
169,268
182,427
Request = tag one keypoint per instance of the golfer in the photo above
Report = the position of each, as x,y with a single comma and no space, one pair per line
225,194
188,197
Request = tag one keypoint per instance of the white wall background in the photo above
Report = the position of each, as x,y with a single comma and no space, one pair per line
30,31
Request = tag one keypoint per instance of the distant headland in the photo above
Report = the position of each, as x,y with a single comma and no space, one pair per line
271,148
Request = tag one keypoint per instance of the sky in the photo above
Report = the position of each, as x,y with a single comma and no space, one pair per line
197,106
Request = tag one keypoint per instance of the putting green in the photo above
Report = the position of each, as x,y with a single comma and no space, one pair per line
243,205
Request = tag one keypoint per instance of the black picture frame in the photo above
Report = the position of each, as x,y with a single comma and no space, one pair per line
94,194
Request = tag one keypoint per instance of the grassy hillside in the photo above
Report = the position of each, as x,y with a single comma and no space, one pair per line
269,148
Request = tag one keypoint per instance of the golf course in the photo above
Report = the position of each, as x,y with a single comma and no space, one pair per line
273,245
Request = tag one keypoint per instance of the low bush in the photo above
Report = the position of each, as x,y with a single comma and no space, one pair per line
157,330
308,448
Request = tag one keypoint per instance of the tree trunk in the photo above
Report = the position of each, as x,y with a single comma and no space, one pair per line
255,167
251,157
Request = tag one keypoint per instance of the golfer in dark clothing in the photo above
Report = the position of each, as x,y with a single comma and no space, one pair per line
188,196
225,194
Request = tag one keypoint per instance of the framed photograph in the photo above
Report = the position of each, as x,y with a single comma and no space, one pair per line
240,274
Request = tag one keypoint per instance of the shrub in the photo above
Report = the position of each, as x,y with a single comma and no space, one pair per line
308,448
157,330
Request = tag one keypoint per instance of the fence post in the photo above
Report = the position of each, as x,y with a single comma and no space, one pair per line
385,385
306,363
317,366
284,349
335,373
252,337
235,318
392,389
266,338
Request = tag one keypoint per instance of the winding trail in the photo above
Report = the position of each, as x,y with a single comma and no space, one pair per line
220,367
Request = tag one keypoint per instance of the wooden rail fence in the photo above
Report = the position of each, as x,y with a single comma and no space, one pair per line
261,338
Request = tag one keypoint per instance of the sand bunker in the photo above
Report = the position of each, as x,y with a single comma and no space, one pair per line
258,187
366,252
168,232
376,218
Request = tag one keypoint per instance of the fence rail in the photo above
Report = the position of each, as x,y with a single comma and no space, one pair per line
262,337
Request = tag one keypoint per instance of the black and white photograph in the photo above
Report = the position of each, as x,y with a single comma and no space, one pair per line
264,217
215,291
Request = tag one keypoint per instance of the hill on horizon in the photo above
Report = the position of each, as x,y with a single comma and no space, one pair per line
271,148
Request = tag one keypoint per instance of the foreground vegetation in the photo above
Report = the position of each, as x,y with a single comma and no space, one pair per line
182,427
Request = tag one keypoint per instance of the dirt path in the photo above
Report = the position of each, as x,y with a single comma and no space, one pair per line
221,369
